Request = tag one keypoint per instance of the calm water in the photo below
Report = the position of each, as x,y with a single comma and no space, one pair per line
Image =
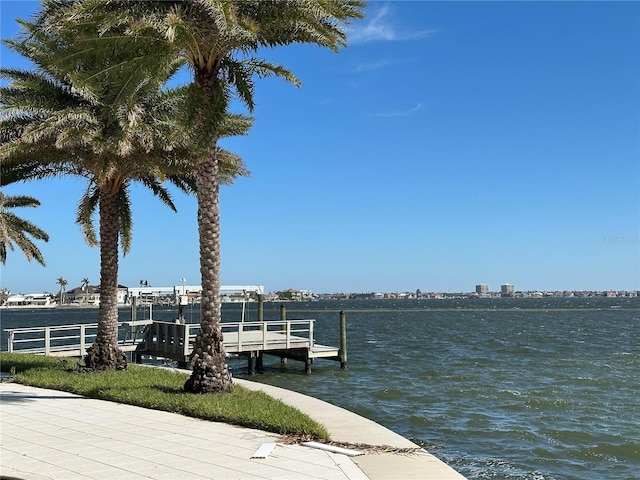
497,388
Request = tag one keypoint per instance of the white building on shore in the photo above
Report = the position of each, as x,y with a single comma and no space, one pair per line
30,300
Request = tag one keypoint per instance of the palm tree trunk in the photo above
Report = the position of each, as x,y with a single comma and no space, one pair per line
105,354
210,370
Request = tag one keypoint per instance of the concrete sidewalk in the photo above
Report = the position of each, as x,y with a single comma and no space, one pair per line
47,434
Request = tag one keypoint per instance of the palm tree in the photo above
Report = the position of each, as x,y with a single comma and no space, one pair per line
53,127
16,230
63,284
216,39
85,288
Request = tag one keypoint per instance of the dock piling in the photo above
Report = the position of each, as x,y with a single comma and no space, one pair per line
261,308
307,365
343,341
283,318
134,309
251,366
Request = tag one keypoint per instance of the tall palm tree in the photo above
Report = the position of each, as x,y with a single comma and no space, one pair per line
16,230
63,285
216,38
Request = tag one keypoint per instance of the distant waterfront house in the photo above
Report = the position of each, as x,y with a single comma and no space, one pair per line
290,295
294,295
90,295
29,300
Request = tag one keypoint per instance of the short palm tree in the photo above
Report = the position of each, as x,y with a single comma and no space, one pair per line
216,38
16,230
52,126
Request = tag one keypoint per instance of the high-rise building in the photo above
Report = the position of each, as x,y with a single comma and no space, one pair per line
482,289
507,290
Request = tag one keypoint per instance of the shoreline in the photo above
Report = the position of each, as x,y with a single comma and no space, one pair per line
394,458
347,427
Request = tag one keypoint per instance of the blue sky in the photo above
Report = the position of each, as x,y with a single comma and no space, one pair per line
451,144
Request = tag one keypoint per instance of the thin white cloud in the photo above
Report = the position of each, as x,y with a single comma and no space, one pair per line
371,66
380,27
400,113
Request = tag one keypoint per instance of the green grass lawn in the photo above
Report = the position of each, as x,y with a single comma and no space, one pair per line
161,389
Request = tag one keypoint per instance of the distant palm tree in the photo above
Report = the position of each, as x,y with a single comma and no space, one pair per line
216,38
85,288
16,230
63,284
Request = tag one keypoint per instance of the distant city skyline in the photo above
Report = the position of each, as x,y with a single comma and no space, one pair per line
451,143
508,289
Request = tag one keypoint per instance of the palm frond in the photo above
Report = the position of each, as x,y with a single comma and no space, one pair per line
18,201
153,184
231,166
186,183
16,230
85,211
234,124
125,222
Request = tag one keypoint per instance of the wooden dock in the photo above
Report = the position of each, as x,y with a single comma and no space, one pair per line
287,339
291,339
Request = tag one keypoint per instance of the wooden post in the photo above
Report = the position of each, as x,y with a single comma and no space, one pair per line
184,338
260,361
180,311
47,340
261,308
251,366
343,341
283,318
134,309
82,339
307,365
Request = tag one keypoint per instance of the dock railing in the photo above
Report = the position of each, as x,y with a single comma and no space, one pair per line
163,339
167,339
52,340
267,335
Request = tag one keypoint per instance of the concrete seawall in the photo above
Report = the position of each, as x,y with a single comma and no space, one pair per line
348,427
